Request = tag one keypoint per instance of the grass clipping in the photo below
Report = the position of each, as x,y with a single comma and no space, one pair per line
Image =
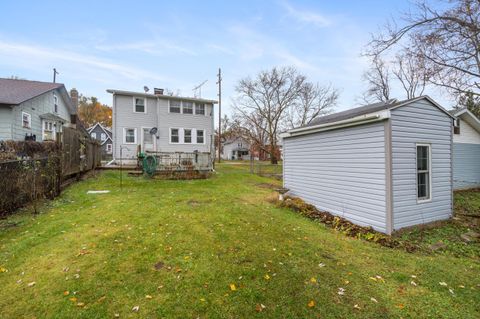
344,226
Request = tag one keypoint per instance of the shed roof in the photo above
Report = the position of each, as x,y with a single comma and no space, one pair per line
14,91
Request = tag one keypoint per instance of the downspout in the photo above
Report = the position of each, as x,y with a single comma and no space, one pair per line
389,221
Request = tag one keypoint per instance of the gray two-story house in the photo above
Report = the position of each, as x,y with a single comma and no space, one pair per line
160,123
104,136
33,110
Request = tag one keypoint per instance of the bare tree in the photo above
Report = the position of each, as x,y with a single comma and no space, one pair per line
411,73
313,100
263,101
378,80
447,39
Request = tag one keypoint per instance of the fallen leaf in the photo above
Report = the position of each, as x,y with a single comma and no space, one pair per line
73,299
442,283
400,306
148,297
80,304
321,265
267,277
202,299
102,298
259,307
3,269
66,293
451,291
413,283
357,307
117,315
313,280
341,291
136,308
31,284
374,300
311,304
232,287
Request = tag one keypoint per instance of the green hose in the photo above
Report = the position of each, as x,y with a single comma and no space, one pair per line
149,164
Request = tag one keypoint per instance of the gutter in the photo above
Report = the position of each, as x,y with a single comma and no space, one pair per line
354,121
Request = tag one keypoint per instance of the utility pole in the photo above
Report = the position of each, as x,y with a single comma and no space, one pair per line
219,82
55,75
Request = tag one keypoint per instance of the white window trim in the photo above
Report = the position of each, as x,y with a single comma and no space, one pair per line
204,109
29,120
193,109
93,135
170,135
174,112
109,148
144,104
204,138
125,135
193,136
429,199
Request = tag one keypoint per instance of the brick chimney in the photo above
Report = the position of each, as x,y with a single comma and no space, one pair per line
74,97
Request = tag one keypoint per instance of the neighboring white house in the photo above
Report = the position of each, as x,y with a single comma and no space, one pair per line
160,123
236,148
466,150
385,165
34,110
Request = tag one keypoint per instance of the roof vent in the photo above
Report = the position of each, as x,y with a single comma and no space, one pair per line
157,91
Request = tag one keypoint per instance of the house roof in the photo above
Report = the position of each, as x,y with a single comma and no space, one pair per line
166,97
359,115
106,130
468,117
14,92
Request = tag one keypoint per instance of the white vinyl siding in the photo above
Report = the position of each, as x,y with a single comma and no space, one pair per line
420,123
340,171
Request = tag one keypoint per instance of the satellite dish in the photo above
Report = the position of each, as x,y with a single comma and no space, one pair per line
146,89
153,131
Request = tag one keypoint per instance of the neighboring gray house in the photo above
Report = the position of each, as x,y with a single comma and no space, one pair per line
183,124
33,110
104,136
385,165
236,148
466,150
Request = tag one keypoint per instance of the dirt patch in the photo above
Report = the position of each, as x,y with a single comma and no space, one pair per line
267,186
196,203
159,265
343,225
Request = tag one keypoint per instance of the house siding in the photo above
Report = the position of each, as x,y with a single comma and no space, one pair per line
340,171
466,165
37,106
5,122
420,122
157,115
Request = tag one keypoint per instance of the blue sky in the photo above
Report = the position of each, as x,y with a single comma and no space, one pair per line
97,45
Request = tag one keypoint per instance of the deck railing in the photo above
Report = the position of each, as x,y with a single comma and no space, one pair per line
180,161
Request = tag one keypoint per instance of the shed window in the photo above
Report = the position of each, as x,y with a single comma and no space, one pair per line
423,172
199,108
139,105
130,136
187,107
174,106
200,136
187,136
174,136
456,126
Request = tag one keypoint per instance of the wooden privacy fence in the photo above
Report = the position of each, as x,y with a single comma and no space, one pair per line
25,178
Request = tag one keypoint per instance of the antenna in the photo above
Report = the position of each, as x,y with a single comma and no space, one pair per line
197,91
146,89
55,75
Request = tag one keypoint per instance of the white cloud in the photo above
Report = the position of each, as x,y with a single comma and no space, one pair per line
38,56
307,16
154,47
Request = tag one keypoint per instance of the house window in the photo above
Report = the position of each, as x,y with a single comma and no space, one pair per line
456,126
174,106
109,148
187,136
93,135
174,137
130,136
140,105
103,137
200,108
424,176
26,120
48,131
187,107
55,103
200,136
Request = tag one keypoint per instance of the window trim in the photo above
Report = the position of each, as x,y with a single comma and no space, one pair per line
135,104
429,199
196,136
193,107
103,137
169,105
29,116
204,109
109,148
55,103
93,135
170,135
125,135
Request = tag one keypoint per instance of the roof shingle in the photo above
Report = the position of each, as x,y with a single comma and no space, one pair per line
14,92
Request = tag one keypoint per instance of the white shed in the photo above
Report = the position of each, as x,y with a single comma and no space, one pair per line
385,165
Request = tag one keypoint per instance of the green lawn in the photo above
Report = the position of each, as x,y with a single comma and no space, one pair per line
212,248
